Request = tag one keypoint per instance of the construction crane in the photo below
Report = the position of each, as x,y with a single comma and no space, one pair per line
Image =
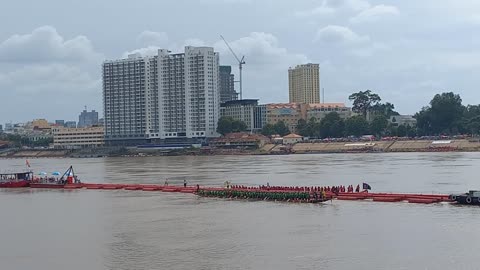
241,62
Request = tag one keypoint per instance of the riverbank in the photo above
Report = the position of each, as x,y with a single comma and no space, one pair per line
268,149
385,146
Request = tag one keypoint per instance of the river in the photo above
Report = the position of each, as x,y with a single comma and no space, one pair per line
94,229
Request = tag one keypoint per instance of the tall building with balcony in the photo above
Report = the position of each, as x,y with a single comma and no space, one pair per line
304,84
202,95
128,100
167,96
227,85
171,95
87,119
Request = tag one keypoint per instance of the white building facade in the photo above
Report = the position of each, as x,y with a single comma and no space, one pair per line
162,97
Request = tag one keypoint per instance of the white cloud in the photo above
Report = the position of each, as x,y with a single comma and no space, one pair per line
329,7
323,9
147,51
375,13
261,49
44,44
355,5
195,42
150,38
458,60
52,73
226,1
339,35
53,78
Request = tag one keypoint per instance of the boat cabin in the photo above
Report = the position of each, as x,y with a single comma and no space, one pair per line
474,193
16,176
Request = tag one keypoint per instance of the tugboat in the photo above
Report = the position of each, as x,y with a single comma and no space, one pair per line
470,198
15,180
68,177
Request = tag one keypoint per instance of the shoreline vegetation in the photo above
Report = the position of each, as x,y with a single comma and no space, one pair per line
460,145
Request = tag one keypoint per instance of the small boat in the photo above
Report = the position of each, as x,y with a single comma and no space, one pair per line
67,178
15,180
470,198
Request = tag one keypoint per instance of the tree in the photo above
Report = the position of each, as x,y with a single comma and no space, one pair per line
444,115
411,131
238,126
392,130
473,125
332,126
302,127
379,124
356,125
228,125
447,111
268,130
424,121
313,127
363,101
281,128
387,109
471,119
402,131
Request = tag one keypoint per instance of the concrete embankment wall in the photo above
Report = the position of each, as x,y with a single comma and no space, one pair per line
384,146
34,153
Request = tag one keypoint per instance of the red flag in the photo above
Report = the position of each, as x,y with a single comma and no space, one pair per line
27,163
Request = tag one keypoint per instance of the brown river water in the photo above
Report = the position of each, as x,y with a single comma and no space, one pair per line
94,229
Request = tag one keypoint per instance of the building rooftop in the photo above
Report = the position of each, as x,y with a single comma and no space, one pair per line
292,136
240,102
282,105
326,105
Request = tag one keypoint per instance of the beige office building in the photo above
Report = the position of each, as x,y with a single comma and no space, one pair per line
291,113
304,84
76,138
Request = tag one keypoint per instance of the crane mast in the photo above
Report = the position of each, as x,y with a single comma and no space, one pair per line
241,62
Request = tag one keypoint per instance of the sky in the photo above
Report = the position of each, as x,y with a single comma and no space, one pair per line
51,51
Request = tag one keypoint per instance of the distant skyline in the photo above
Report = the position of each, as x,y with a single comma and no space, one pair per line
406,51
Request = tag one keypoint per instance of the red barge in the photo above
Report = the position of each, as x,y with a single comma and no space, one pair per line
15,180
68,178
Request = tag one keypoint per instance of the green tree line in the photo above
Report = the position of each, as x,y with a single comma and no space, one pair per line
445,115
20,141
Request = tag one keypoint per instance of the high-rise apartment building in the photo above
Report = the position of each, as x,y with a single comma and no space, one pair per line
126,96
87,119
227,85
162,97
304,84
202,91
